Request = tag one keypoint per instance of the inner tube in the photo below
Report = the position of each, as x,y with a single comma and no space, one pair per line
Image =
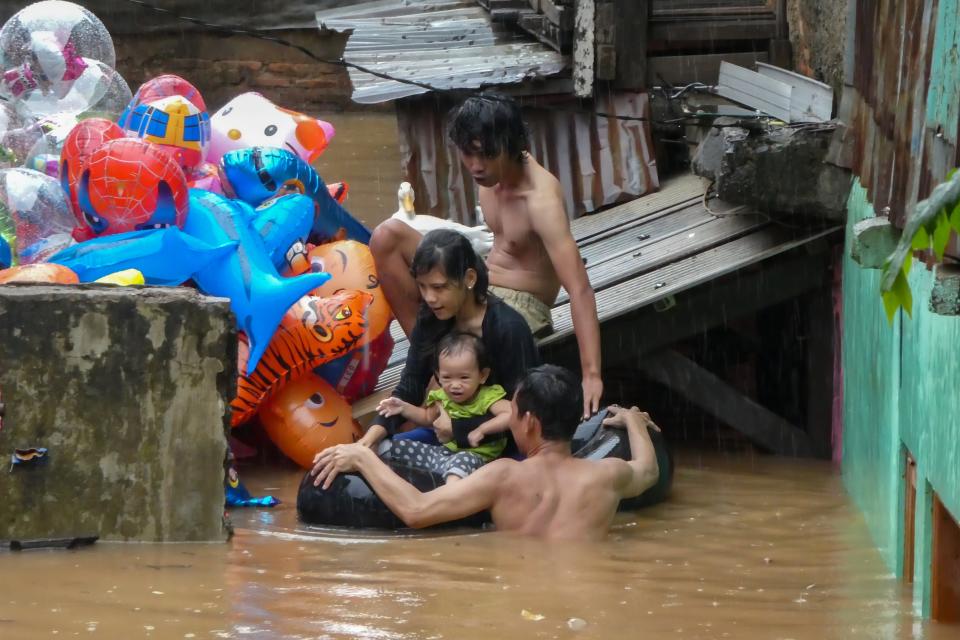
350,502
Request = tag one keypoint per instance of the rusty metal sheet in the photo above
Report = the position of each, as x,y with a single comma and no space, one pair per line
599,161
446,44
886,108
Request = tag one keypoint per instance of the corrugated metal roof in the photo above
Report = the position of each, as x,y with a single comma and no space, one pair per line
447,44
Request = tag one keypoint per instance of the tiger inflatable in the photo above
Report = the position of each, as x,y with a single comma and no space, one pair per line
313,331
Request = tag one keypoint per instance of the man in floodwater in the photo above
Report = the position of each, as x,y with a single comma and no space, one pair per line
551,494
533,251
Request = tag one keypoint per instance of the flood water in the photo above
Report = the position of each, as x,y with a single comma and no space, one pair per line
746,548
365,155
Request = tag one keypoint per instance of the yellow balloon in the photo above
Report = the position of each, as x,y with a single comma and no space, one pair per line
125,277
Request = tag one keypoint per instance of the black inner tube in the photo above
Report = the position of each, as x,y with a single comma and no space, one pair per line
350,502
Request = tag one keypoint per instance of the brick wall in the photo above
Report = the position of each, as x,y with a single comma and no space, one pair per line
222,66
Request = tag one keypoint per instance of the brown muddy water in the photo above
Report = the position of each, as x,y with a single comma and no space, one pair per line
364,153
746,548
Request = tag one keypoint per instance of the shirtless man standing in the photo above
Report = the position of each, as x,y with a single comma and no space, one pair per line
550,495
533,252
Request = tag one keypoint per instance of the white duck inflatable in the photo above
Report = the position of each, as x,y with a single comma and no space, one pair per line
480,237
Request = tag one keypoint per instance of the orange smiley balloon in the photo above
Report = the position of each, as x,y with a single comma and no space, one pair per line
307,416
44,272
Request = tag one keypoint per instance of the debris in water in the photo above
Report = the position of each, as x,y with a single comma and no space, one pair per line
533,617
577,624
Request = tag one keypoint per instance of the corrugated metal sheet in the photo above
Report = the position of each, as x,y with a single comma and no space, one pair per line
895,151
599,161
447,44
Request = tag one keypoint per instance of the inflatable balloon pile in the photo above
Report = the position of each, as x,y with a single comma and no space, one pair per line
101,185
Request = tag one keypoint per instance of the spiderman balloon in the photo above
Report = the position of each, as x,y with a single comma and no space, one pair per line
129,185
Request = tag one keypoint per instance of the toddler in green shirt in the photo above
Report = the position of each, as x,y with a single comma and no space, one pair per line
462,370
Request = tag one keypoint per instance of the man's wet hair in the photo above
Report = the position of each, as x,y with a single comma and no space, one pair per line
456,342
495,121
553,395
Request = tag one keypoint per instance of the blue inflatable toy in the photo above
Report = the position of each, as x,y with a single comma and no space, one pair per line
258,295
282,222
259,173
166,257
6,256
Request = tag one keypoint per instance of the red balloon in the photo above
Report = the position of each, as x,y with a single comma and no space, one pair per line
85,138
129,185
165,86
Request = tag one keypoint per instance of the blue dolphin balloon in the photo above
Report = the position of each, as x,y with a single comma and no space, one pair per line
258,173
164,256
282,222
6,256
259,296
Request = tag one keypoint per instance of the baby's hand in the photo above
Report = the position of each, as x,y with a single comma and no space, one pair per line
475,437
390,407
443,427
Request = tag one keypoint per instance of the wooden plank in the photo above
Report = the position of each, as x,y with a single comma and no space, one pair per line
717,303
631,43
665,33
819,344
675,191
705,68
583,49
650,288
605,26
754,90
557,13
705,390
683,243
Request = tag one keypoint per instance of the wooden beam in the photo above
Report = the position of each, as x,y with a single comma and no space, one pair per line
631,44
583,49
705,390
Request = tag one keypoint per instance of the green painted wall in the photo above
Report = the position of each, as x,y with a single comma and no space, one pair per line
900,390
870,368
900,380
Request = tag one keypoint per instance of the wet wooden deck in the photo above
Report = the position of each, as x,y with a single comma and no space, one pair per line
643,254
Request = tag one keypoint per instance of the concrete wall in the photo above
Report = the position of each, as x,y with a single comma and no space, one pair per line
128,390
818,36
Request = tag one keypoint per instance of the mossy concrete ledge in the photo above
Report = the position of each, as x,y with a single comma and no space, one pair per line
128,390
874,239
945,296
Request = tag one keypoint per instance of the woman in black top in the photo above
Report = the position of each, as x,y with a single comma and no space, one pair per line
452,281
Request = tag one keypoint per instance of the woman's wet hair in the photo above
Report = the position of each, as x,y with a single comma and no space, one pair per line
453,254
457,342
495,121
553,395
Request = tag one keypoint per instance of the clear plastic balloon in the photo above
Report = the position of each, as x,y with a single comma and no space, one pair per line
11,150
44,154
49,44
35,219
99,91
